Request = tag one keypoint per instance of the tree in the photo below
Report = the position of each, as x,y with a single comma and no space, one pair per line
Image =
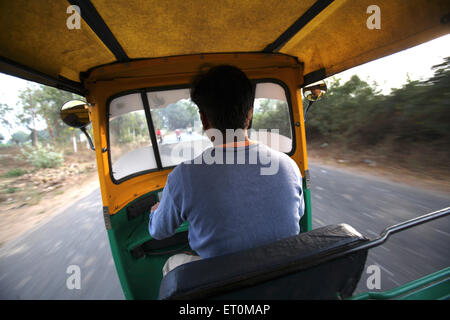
272,114
29,115
6,110
20,137
356,113
178,115
50,101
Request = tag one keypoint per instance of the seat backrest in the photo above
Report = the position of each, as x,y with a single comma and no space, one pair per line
299,267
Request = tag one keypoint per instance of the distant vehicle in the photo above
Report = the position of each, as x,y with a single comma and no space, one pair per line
159,135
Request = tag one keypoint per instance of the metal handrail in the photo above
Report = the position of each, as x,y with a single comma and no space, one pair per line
405,225
391,230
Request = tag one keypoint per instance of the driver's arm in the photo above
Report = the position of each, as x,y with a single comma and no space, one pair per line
165,220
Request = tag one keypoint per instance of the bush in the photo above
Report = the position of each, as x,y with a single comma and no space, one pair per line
42,157
15,173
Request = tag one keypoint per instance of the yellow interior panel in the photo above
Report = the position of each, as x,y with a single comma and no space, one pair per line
109,80
156,28
339,39
35,34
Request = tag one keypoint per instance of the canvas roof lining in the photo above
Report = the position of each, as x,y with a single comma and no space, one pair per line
183,27
33,26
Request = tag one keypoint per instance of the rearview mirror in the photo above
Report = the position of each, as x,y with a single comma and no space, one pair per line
75,113
315,91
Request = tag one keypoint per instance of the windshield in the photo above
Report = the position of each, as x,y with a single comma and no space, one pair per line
178,135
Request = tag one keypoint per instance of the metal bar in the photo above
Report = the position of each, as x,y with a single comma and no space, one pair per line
91,16
403,226
365,245
151,129
389,231
310,14
18,70
306,220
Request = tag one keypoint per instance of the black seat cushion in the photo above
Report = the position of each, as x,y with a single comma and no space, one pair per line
299,267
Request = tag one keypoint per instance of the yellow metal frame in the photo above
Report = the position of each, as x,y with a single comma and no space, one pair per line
106,81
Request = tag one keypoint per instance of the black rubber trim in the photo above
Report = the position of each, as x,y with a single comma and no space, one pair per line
152,133
91,16
151,129
289,102
144,91
310,14
141,206
153,246
18,70
314,76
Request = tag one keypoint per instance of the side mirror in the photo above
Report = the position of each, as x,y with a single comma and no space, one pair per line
313,93
75,113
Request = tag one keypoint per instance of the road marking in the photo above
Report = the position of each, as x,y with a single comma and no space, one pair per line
318,197
347,196
386,270
23,283
89,261
415,253
372,232
319,188
368,215
443,232
396,283
318,221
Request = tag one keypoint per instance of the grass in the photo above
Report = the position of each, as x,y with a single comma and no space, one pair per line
17,172
11,190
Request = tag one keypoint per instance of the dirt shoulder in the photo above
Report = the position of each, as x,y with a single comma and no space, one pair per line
17,218
429,178
29,196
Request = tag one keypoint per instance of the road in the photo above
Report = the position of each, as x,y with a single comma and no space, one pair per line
35,265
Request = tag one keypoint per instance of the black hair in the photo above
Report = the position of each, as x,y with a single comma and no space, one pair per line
225,95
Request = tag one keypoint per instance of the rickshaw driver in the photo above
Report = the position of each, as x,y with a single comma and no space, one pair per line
229,207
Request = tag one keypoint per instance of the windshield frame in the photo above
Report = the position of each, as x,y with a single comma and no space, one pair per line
150,125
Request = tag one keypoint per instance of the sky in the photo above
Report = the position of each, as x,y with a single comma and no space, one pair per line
392,71
389,72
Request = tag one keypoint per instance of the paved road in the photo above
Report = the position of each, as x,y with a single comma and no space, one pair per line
370,205
34,266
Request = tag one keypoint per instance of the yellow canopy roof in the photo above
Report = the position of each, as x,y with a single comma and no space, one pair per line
327,36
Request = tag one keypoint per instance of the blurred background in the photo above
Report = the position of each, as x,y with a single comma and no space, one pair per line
378,147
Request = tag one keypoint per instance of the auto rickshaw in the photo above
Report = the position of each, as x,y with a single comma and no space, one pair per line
133,62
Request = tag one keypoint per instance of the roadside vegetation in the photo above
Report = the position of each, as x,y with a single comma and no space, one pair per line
355,124
37,162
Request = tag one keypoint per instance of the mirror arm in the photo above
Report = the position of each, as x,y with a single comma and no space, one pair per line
307,108
88,137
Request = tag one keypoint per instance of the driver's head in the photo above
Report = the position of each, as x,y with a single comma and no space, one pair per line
224,96
316,92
